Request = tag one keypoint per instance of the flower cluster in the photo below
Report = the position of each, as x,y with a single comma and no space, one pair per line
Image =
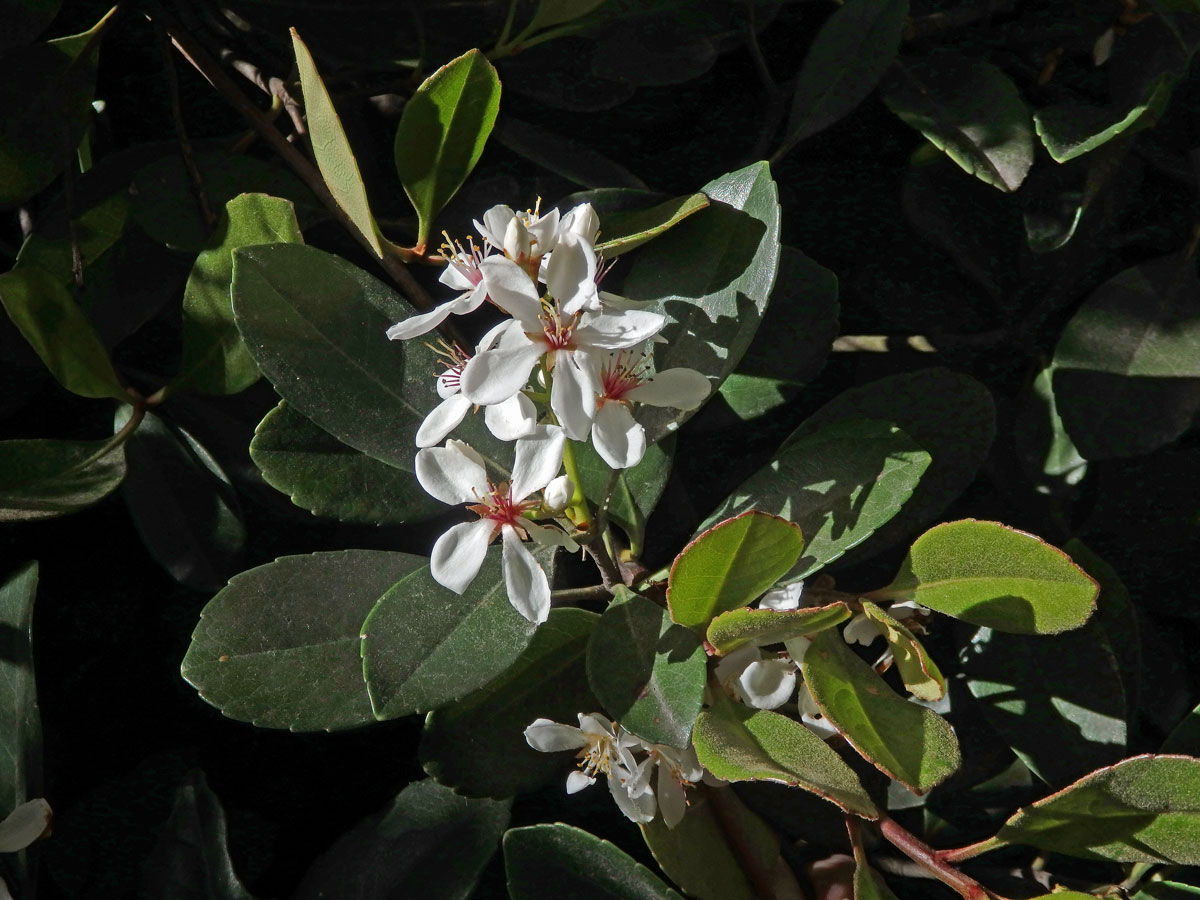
605,747
568,363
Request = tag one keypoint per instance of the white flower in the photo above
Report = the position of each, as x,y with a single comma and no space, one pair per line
784,598
455,474
462,273
764,681
677,771
558,493
861,630
604,747
621,441
524,237
583,221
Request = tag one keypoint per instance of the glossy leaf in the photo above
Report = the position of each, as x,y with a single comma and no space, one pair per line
182,503
477,745
711,275
1127,366
47,315
730,565
968,109
905,741
425,646
560,860
625,231
442,132
332,150
40,479
739,627
838,484
191,859
215,359
430,842
20,720
1144,809
279,646
851,52
316,326
329,478
637,489
647,672
989,574
918,671
738,743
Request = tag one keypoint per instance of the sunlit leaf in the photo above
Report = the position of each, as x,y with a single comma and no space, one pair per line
739,627
623,232
918,671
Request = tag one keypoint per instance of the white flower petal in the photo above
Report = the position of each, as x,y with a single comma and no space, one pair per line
768,683
453,474
558,493
459,553
571,271
444,418
797,647
583,221
786,597
638,809
495,223
620,441
24,825
861,630
420,323
495,375
528,589
447,384
517,239
545,232
806,703
512,290
493,335
537,460
676,388
577,781
733,664
617,331
455,278
549,736
672,798
510,419
573,393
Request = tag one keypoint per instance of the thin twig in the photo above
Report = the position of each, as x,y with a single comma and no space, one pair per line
931,861
185,145
580,594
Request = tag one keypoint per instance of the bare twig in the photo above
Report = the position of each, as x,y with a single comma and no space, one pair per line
185,145
580,594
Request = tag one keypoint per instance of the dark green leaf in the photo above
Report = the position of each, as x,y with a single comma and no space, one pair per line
20,721
574,160
215,360
851,52
182,503
559,860
647,673
329,478
968,109
1185,737
332,150
430,843
918,671
626,231
730,565
1127,366
1162,890
477,745
425,646
838,484
1045,450
738,743
868,885
1144,809
191,859
279,647
23,20
443,131
989,574
96,230
1069,130
637,489
556,12
905,741
40,479
50,319
738,627
712,276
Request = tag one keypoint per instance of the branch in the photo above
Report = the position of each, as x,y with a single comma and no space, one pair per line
932,861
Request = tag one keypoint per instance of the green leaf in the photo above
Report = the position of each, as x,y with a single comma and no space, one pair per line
1144,809
47,315
696,854
739,627
191,859
1069,130
907,742
730,565
428,843
556,12
279,646
559,860
989,574
647,672
868,884
96,230
738,743
215,360
711,276
1164,890
20,721
1044,448
442,133
637,489
851,52
182,503
332,150
425,646
838,484
1127,366
918,671
625,231
949,415
46,93
968,109
575,160
477,745
1185,737
328,478
316,326
22,20
40,479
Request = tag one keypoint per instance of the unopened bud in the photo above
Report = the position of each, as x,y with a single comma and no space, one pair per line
583,221
558,493
516,240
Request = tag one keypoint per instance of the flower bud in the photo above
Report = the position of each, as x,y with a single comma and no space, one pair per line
516,240
558,493
583,221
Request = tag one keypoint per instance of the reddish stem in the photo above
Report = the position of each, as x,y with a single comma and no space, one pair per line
932,861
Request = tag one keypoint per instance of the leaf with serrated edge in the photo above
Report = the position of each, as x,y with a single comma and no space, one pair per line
918,671
739,627
905,741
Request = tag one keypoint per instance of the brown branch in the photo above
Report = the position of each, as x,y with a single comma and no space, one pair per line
932,862
185,145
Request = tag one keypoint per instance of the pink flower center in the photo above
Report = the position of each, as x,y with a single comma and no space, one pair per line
559,333
621,375
499,506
